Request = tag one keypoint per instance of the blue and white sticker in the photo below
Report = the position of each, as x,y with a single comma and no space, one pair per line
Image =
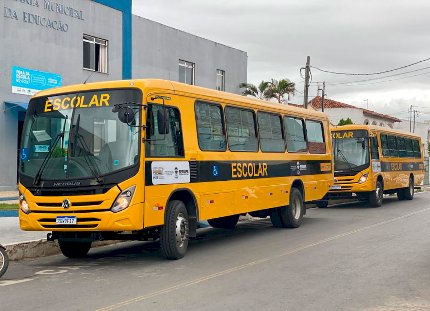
41,148
24,154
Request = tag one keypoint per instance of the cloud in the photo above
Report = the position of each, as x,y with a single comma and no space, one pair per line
340,35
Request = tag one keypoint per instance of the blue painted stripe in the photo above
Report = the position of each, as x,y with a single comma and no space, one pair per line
125,6
8,213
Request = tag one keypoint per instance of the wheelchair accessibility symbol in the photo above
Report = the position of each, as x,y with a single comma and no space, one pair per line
215,171
24,154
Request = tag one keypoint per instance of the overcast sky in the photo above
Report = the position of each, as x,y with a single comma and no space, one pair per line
339,35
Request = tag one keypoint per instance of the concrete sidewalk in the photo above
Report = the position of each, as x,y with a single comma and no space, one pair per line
9,197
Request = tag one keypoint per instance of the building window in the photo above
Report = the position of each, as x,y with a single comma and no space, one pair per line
220,80
186,72
95,54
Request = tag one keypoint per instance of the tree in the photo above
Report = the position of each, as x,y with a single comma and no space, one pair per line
281,89
253,90
345,122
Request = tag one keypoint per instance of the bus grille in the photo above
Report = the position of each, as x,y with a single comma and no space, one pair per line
74,204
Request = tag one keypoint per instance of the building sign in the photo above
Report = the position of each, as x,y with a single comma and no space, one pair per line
41,20
29,82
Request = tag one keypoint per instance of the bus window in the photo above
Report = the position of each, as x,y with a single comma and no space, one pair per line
294,131
401,144
241,131
164,145
416,148
392,146
270,132
409,148
374,148
210,127
315,136
384,143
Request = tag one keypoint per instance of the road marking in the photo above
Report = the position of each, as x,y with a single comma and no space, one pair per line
13,282
256,262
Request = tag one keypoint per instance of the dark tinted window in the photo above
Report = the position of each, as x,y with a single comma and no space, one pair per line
241,132
392,146
401,145
163,145
384,143
409,148
295,134
210,127
270,132
374,148
416,148
315,136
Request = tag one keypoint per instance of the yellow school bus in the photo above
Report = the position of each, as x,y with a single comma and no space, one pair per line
370,161
149,159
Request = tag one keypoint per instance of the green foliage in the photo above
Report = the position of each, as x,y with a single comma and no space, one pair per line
8,207
59,152
272,89
345,122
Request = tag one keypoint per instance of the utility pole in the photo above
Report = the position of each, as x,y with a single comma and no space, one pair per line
410,119
306,91
322,97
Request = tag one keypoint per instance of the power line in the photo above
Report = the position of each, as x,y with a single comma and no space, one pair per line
374,79
369,74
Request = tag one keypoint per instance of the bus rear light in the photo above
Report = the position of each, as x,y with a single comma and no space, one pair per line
123,200
24,205
363,178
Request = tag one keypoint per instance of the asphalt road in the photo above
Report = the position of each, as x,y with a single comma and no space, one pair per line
348,257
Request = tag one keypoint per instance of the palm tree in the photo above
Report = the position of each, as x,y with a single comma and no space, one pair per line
280,89
253,90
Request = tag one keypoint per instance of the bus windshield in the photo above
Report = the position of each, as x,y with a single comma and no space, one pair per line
350,151
78,136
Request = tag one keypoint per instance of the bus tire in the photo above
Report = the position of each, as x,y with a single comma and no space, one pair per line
375,197
290,216
174,235
74,249
227,222
408,193
4,261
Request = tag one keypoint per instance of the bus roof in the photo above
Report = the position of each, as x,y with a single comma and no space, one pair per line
180,88
373,128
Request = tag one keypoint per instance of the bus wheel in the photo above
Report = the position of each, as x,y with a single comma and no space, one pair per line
290,216
228,222
74,249
4,261
408,193
175,232
375,197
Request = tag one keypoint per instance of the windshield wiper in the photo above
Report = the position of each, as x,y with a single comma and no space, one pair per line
95,170
49,155
339,151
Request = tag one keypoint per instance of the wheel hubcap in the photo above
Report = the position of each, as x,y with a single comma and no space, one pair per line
297,208
181,230
411,187
379,193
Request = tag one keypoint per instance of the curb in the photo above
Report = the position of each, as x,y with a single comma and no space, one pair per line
41,248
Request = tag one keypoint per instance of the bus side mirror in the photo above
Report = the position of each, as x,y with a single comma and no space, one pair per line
163,127
126,115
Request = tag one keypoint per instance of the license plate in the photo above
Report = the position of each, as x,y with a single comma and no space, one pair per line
335,187
66,220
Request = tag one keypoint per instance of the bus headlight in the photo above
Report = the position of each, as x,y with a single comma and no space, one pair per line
363,178
123,200
24,205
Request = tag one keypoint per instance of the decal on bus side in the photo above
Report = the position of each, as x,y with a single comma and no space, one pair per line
170,172
239,170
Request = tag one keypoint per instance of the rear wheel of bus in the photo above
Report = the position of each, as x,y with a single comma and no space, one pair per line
175,232
376,196
408,192
290,216
74,249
